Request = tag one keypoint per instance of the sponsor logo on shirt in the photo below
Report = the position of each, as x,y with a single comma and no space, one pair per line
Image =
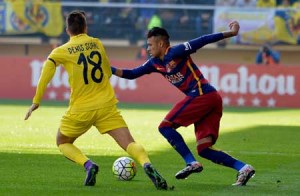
175,78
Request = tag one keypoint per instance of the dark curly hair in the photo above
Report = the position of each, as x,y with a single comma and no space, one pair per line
159,32
76,22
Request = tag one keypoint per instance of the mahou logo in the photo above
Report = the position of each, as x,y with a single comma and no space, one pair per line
243,82
253,85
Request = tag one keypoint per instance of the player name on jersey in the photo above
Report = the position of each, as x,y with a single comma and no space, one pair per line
83,47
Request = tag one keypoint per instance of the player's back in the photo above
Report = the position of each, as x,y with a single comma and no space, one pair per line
86,62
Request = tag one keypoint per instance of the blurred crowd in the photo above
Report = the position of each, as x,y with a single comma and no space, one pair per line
132,23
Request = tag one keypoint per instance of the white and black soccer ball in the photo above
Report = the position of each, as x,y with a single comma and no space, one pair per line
124,168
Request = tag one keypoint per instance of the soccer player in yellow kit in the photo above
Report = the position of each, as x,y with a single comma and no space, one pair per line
92,100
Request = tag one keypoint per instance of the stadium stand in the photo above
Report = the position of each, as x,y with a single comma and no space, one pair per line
123,23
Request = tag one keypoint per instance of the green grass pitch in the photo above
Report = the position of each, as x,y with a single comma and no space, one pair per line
31,164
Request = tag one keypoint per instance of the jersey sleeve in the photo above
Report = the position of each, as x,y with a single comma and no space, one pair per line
47,74
192,46
146,68
57,56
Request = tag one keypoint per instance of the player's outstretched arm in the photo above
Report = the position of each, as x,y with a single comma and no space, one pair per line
47,74
132,73
33,107
197,43
234,28
117,72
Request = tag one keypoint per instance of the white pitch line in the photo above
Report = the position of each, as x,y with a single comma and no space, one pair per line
265,153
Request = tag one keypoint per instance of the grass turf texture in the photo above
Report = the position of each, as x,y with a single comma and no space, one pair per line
30,163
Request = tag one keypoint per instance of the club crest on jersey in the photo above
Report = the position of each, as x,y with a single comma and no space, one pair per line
170,66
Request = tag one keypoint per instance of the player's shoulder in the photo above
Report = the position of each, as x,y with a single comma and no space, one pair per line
179,46
172,50
95,39
151,61
57,50
61,47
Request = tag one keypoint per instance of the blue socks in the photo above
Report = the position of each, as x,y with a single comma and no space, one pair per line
177,142
216,156
221,158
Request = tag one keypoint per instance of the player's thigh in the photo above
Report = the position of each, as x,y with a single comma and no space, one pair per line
109,118
210,124
75,124
190,110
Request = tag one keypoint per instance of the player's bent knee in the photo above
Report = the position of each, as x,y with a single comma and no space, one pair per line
201,145
164,123
62,139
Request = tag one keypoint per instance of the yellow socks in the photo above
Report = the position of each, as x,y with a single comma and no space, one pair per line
138,153
73,153
135,150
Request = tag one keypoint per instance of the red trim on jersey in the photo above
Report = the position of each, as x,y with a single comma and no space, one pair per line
195,76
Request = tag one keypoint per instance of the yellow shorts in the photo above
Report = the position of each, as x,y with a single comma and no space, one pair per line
104,119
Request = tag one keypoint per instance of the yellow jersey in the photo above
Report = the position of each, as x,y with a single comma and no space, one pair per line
85,60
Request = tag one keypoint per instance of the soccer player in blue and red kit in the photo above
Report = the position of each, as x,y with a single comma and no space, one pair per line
202,105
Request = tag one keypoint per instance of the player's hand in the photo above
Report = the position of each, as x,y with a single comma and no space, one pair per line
234,26
33,107
117,72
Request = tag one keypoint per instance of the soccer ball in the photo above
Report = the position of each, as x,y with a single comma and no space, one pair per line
124,168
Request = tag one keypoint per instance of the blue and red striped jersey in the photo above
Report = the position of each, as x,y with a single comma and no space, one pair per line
178,67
